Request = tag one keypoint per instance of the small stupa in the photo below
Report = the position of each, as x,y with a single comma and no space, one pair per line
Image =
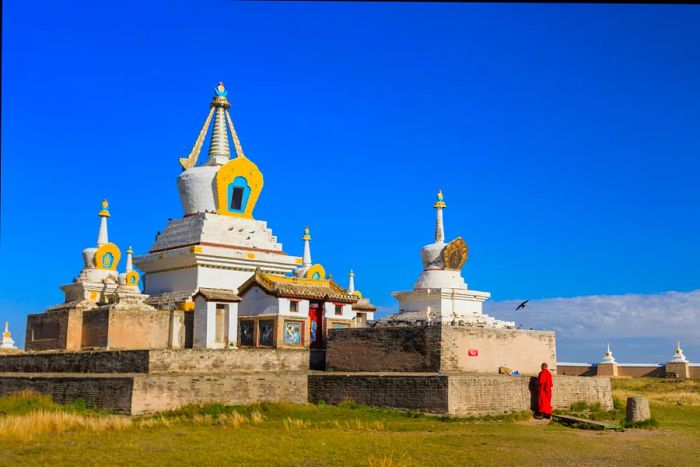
7,341
608,356
440,294
678,356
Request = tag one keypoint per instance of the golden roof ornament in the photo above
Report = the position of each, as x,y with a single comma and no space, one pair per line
307,235
104,212
440,203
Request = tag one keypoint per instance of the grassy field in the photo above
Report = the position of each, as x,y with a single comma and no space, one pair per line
34,431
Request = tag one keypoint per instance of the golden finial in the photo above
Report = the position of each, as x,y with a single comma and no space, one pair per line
307,235
352,274
104,212
440,203
7,334
129,250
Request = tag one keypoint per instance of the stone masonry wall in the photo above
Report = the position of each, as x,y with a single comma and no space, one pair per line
46,331
227,360
455,394
484,350
99,361
95,328
423,392
493,394
157,361
112,393
409,349
154,393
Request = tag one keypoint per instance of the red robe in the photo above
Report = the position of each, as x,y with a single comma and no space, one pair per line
544,392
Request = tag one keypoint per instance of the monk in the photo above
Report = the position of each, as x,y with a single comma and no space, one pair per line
544,393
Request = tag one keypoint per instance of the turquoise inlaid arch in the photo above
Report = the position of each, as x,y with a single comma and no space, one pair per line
107,260
316,276
238,194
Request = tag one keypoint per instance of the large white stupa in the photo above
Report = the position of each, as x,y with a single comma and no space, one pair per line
217,244
440,294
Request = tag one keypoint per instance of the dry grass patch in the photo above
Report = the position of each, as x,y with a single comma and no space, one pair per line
27,426
669,391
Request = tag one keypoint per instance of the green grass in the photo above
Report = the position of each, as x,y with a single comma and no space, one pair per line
353,434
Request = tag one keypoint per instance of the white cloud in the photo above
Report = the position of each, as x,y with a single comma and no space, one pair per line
670,315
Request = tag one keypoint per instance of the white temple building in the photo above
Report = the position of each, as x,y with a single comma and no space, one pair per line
440,294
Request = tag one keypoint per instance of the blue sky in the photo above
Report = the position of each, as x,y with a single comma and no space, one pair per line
565,138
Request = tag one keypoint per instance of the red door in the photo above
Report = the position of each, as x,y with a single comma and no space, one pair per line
316,317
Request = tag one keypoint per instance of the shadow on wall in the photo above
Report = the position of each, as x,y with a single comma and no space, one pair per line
532,386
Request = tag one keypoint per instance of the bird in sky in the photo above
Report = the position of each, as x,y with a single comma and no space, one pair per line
522,305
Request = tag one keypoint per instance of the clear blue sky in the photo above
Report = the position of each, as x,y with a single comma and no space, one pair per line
565,137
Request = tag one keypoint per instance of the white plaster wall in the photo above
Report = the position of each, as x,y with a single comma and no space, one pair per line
170,281
201,323
329,310
256,302
302,308
213,278
232,323
196,189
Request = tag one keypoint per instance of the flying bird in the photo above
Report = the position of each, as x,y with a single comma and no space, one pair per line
522,305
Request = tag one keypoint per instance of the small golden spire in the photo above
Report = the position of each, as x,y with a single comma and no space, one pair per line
7,334
440,203
104,212
307,235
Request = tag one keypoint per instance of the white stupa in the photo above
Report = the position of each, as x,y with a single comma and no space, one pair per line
608,356
7,341
440,294
217,244
678,356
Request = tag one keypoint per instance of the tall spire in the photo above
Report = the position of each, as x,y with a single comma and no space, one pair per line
678,354
102,237
129,263
306,262
439,227
219,152
351,283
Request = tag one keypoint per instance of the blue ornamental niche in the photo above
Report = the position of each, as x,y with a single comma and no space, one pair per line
107,260
238,194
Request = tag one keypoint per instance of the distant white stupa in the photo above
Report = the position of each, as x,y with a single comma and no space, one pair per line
7,341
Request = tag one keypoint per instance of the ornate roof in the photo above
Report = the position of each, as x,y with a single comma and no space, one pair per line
296,287
217,295
365,305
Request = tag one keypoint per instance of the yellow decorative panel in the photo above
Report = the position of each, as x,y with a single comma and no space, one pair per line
107,256
238,186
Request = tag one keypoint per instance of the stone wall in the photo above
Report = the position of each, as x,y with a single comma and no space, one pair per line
138,329
95,328
102,361
46,331
439,348
456,394
412,349
157,361
423,392
154,393
623,370
484,350
224,361
112,393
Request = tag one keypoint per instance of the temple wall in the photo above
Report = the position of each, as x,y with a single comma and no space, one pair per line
112,393
426,392
456,394
95,328
47,330
576,369
257,302
439,348
412,349
224,361
168,281
154,393
138,329
695,371
515,349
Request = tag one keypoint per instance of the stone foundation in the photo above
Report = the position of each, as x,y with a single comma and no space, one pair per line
439,349
453,394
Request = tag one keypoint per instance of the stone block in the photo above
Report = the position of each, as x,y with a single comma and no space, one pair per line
638,409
